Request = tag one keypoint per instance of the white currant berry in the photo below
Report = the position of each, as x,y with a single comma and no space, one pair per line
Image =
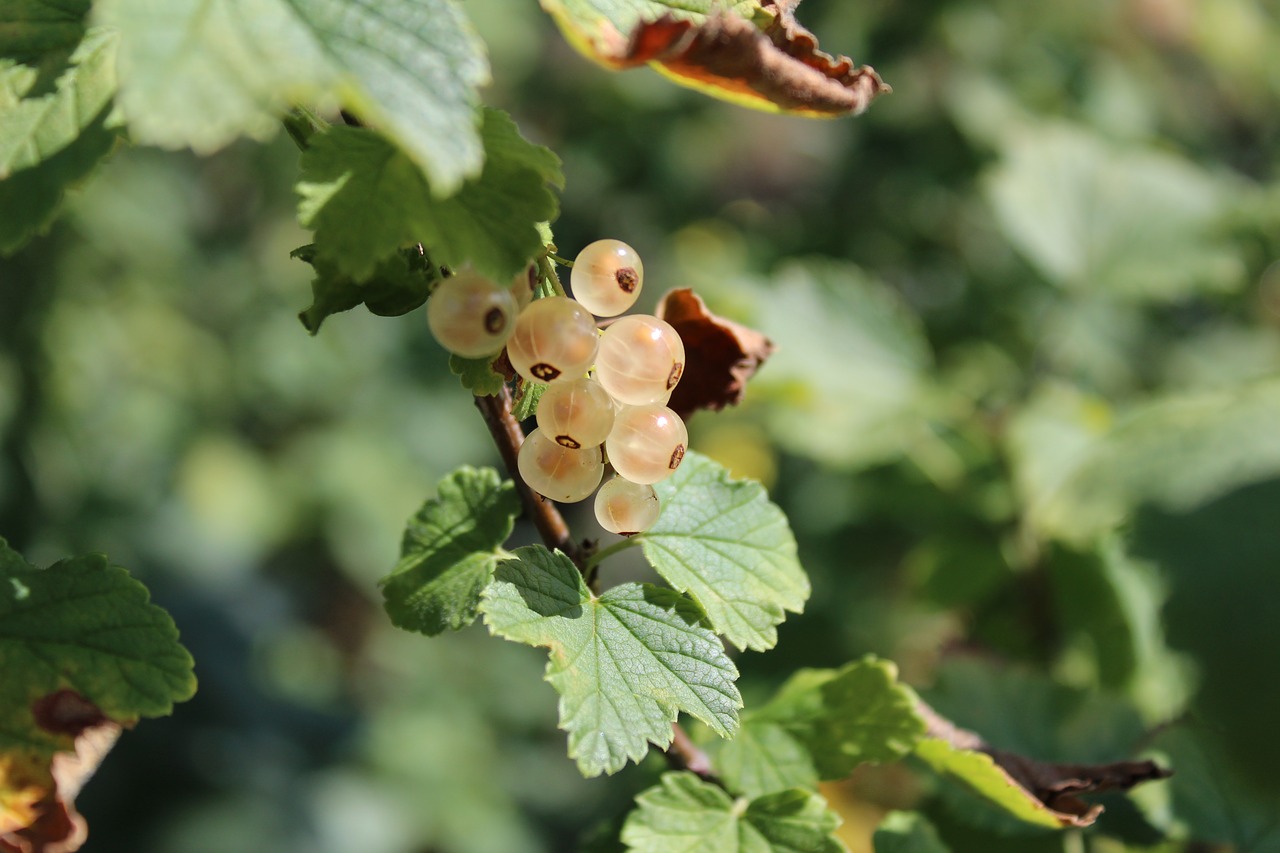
646,443
577,413
554,338
471,316
641,359
560,473
625,507
606,277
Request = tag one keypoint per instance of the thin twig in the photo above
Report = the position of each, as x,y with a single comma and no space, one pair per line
507,434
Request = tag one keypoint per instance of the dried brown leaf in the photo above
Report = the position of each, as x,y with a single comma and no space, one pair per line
779,67
720,355
37,803
1057,787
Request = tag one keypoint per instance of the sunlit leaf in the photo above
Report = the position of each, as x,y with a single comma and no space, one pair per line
624,663
723,542
199,74
365,199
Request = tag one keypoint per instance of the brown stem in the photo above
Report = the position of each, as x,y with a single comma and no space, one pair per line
682,754
507,434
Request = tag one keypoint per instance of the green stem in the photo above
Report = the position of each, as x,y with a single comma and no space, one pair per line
617,547
547,267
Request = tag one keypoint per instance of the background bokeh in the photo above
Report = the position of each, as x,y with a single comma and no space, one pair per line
1023,418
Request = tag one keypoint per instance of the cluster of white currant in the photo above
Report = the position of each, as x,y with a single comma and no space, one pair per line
606,393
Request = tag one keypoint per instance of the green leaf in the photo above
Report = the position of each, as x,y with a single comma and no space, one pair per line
845,384
56,84
84,625
477,375
1214,802
1221,440
1095,216
907,832
365,198
37,126
764,758
398,284
724,543
1030,714
30,199
624,663
847,716
1220,563
980,772
201,73
450,550
687,814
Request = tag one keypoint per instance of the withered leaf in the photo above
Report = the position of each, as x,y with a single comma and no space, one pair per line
779,68
43,819
720,355
1055,787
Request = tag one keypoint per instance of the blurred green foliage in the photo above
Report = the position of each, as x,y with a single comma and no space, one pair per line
1022,418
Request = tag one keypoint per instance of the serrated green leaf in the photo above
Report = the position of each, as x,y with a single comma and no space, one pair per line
449,552
980,772
907,832
723,542
1221,440
364,198
84,625
845,717
624,663
763,758
526,402
477,375
687,814
1094,216
398,284
200,73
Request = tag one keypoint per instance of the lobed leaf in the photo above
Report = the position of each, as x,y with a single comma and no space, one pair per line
450,550
365,199
624,663
200,73
723,542
821,724
685,813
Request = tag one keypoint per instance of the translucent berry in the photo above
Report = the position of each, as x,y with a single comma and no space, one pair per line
557,472
641,359
606,277
471,316
626,507
577,413
646,443
554,338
